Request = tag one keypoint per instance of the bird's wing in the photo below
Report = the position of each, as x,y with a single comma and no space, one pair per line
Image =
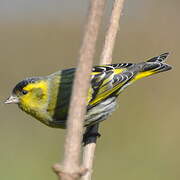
107,80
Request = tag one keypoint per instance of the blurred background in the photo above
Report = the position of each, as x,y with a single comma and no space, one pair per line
141,139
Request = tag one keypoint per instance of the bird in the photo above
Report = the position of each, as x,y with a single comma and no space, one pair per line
47,98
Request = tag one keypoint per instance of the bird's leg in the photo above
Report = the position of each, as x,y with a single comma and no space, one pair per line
91,134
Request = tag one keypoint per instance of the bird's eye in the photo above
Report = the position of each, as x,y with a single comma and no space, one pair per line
24,92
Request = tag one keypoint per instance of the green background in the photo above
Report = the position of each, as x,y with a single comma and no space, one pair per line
141,139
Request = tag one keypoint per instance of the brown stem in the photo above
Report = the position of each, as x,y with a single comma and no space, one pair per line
70,169
89,149
106,58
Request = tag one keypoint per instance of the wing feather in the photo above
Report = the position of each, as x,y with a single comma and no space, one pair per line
110,80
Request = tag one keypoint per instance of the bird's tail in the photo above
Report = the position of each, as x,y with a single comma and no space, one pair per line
152,66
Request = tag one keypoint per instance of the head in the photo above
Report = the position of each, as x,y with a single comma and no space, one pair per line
30,94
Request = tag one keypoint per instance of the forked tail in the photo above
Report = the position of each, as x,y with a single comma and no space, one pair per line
152,66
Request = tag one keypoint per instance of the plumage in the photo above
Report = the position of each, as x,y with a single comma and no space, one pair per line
47,98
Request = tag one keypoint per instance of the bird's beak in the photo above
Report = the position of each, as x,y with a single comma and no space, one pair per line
12,100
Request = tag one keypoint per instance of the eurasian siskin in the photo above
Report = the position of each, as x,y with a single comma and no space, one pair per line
47,98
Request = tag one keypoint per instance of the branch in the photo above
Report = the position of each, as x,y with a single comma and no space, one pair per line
70,169
106,58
